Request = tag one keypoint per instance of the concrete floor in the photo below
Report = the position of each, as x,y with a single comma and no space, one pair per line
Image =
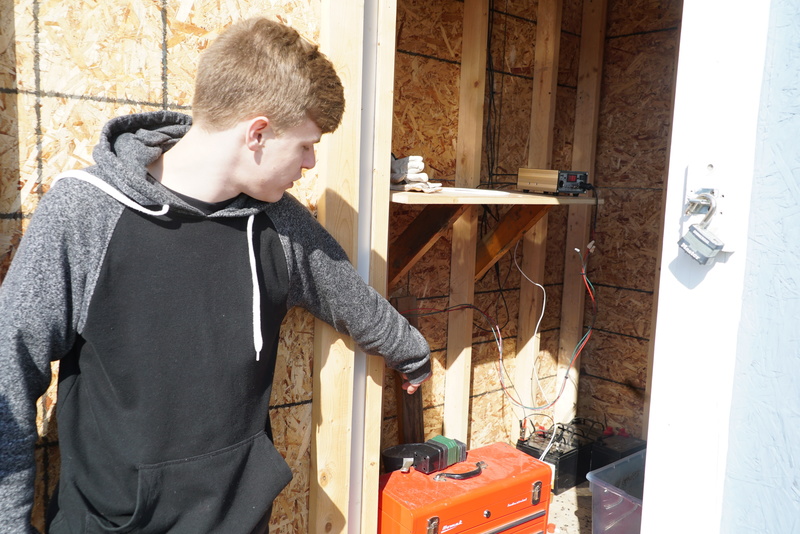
571,511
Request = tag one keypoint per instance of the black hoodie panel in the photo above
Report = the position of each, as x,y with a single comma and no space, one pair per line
166,314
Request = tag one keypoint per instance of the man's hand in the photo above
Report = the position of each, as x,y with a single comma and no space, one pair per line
411,388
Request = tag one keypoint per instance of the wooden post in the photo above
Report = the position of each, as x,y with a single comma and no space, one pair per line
465,229
545,83
590,69
540,156
341,36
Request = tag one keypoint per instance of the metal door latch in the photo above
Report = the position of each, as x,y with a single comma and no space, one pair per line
699,242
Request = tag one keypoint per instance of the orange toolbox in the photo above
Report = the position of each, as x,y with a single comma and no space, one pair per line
498,489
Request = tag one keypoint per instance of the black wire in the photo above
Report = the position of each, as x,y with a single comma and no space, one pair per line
502,297
456,307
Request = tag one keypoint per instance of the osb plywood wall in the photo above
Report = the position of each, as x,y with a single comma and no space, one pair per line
632,150
425,123
68,66
636,108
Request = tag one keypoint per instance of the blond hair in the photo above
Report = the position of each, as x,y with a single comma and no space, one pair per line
262,67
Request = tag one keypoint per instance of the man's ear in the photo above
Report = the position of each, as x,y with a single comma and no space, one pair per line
258,131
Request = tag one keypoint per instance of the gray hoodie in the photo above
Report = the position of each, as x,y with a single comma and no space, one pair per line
165,316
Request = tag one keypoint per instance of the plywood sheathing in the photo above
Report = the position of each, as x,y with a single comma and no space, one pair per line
290,414
97,49
293,370
426,112
11,220
431,29
8,37
626,237
629,17
635,113
615,405
19,187
636,107
429,277
491,413
292,436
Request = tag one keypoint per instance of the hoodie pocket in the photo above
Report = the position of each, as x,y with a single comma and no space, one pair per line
227,491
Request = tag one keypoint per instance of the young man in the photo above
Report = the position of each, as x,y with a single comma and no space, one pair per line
159,278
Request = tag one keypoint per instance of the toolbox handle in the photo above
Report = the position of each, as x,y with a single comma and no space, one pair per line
479,467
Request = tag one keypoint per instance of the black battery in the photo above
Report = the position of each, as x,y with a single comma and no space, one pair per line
584,434
563,458
570,453
612,448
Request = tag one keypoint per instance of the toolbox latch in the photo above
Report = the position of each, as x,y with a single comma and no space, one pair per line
536,493
433,525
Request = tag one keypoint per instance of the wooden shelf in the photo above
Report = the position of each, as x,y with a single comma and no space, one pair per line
444,207
462,195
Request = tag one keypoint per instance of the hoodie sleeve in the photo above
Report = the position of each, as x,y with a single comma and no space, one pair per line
324,282
41,302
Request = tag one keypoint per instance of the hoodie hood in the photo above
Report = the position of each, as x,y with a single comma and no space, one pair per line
129,143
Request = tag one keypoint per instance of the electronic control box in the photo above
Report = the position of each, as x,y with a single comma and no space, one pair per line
552,181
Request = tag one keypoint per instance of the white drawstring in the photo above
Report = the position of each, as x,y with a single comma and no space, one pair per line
110,191
258,341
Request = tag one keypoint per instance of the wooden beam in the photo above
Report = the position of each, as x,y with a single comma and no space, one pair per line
465,229
590,69
459,328
531,299
511,227
540,156
423,232
545,83
462,195
341,39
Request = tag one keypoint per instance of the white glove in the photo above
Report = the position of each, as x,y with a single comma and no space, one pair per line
417,177
404,167
425,187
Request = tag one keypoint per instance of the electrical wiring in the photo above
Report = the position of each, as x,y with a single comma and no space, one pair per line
525,420
423,312
495,329
583,341
550,443
538,322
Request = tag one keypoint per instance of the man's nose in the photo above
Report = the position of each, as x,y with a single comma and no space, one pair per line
310,160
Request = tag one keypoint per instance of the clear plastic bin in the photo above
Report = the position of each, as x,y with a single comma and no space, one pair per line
617,495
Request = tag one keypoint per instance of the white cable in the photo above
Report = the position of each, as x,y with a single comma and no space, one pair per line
534,372
550,444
